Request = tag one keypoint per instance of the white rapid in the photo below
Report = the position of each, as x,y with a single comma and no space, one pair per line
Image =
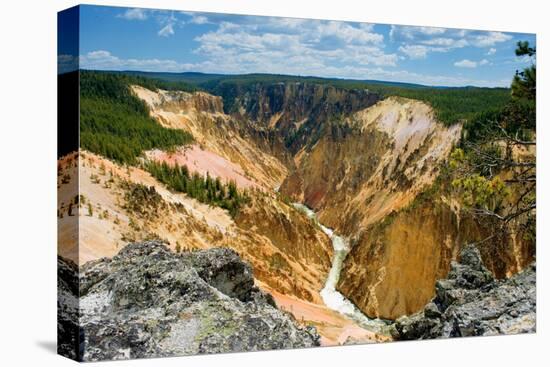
331,297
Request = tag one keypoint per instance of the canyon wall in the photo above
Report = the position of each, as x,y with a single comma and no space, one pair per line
117,204
371,163
365,177
201,114
394,264
471,302
297,111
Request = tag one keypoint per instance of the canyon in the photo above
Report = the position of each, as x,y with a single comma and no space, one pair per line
347,226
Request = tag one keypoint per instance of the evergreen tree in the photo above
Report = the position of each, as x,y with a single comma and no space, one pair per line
116,124
205,189
524,84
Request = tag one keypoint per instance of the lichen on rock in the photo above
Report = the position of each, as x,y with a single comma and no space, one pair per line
471,302
150,302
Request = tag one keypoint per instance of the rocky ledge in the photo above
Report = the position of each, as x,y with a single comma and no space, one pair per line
150,302
470,302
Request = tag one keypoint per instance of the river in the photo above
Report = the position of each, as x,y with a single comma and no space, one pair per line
331,297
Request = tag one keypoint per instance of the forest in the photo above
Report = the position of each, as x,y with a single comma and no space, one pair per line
116,124
205,189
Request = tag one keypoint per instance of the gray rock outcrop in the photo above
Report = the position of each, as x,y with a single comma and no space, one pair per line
470,302
150,302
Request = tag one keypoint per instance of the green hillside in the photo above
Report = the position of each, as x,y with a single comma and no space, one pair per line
116,124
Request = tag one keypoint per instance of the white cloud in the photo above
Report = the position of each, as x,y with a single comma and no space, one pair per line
487,39
66,63
99,54
412,33
104,60
307,47
287,23
349,33
134,14
465,64
421,51
167,30
471,64
295,46
362,55
199,19
445,40
525,59
445,43
491,51
297,65
414,51
432,30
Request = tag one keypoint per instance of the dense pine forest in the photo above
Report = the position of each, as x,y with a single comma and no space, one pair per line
116,124
454,104
205,189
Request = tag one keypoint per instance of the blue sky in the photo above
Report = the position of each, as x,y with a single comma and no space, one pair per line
113,38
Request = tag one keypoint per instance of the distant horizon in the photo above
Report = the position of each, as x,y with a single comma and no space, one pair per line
153,40
379,81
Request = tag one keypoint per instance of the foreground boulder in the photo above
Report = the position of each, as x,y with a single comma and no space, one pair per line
470,302
67,309
149,302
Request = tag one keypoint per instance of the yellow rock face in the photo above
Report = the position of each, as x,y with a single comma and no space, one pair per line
392,269
371,166
201,114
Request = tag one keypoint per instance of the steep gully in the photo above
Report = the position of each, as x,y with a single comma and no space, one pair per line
331,297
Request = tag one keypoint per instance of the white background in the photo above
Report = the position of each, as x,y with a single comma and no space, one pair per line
28,180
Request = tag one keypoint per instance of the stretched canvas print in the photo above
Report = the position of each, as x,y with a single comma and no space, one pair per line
234,183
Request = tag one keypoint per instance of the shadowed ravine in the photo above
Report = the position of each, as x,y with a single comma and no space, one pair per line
331,297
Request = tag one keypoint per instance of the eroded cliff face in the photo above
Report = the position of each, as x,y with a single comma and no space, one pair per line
276,239
288,252
180,102
394,264
364,168
297,111
363,176
201,114
303,257
470,302
372,163
358,161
